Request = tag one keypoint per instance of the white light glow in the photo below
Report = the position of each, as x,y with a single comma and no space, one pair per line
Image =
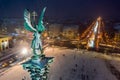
5,43
91,43
92,40
24,51
96,26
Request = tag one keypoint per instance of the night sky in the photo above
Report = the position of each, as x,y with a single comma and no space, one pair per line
62,8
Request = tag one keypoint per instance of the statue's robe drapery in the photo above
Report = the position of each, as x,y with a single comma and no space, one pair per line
36,42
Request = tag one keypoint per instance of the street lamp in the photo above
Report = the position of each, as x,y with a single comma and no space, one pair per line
24,50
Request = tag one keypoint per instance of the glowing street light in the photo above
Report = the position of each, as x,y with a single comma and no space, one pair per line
24,50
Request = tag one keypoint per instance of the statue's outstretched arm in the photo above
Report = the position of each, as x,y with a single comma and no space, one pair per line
27,23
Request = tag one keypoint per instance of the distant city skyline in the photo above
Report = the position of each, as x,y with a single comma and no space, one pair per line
62,9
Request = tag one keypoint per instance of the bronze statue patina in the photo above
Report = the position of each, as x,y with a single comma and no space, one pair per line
37,30
38,65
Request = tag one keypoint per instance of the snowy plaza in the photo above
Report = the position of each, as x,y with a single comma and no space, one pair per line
71,64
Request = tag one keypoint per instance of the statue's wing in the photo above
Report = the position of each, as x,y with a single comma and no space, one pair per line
40,24
27,23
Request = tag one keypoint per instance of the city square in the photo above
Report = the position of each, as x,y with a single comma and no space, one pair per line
59,40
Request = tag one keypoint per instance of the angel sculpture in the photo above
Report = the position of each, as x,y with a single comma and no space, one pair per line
37,30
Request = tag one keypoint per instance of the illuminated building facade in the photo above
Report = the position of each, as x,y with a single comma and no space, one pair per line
4,42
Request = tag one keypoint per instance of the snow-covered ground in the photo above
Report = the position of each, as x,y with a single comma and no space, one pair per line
69,64
14,73
89,67
115,61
